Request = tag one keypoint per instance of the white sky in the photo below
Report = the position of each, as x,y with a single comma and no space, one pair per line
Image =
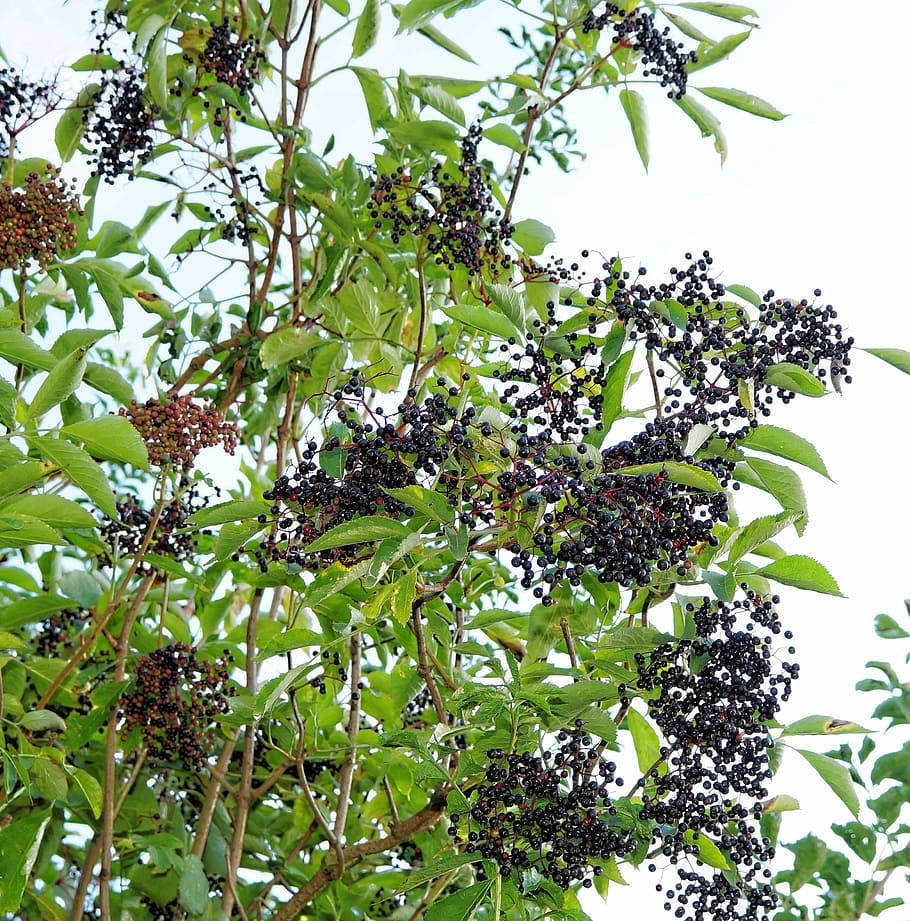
819,200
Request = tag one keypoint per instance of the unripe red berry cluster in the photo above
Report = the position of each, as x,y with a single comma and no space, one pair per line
36,222
176,430
174,701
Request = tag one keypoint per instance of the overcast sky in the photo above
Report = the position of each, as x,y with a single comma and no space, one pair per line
818,200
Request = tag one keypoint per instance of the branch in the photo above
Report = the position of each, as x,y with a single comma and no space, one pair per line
421,821
346,777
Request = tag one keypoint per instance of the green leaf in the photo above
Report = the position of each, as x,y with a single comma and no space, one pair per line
426,501
708,851
801,572
683,474
742,100
235,510
417,13
59,384
711,54
707,122
111,438
232,536
17,531
889,629
484,319
645,740
366,30
633,104
442,101
374,94
836,775
615,387
109,381
19,844
285,345
509,302
32,609
89,788
21,476
81,469
505,136
757,532
789,376
70,125
360,530
421,875
782,482
821,726
51,509
460,905
732,11
95,61
444,42
532,236
194,887
42,721
899,358
687,28
772,439
426,135
156,75
50,778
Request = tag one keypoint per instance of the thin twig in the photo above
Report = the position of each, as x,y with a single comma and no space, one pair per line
570,643
346,775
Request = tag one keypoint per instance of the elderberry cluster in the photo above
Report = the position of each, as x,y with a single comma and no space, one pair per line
119,123
174,700
453,210
22,103
59,631
712,697
551,813
233,60
171,538
664,58
177,429
713,346
36,221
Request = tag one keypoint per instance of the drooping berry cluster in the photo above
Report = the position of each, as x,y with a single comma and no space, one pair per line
36,222
453,210
177,429
59,631
22,103
663,57
550,813
172,537
233,60
119,123
712,697
173,702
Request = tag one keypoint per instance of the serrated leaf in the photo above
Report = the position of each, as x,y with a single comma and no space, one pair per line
427,502
898,358
532,236
821,726
421,875
374,94
731,11
19,845
232,536
444,42
708,851
711,54
287,344
757,532
509,302
111,438
614,388
42,721
645,740
782,482
836,775
235,510
505,136
194,886
60,382
460,905
683,474
707,123
70,125
801,572
360,530
50,509
633,104
484,319
789,376
443,102
739,99
771,439
89,788
366,30
81,469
